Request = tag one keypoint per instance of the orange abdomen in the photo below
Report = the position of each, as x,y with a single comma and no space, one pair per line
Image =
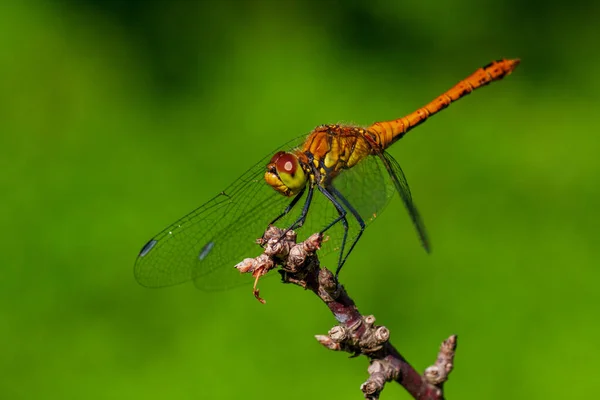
385,133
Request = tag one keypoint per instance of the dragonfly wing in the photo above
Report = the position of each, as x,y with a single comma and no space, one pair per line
236,240
367,189
366,186
399,180
205,245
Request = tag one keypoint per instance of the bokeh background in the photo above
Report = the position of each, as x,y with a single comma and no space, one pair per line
116,118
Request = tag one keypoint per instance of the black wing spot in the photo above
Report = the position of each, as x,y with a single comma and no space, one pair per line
205,250
147,247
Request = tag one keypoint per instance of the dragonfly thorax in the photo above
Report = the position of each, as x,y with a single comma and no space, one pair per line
285,174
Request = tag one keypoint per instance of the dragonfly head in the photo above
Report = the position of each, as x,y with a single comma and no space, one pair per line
285,174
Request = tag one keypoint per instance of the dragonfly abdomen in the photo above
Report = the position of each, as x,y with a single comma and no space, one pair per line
385,133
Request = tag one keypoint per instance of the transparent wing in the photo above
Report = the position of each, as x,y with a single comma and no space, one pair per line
399,181
368,187
205,245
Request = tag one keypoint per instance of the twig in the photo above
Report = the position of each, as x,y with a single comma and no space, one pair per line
355,334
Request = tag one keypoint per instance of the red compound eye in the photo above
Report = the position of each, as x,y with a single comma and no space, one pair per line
276,156
285,163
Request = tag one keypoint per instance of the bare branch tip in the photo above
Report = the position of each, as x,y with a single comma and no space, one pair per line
370,390
438,373
369,320
338,334
382,334
327,342
355,334
451,343
379,373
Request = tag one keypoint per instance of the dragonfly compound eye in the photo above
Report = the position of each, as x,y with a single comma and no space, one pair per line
285,174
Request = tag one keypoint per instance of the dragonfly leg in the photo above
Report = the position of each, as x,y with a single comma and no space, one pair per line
289,207
342,217
359,219
300,221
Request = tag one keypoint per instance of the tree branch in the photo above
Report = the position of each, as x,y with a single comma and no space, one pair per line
355,334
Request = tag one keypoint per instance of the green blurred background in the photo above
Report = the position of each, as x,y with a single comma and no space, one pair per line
116,118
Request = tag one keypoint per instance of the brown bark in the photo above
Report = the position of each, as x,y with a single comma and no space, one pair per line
355,333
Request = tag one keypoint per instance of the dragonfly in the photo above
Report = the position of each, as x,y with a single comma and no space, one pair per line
336,180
